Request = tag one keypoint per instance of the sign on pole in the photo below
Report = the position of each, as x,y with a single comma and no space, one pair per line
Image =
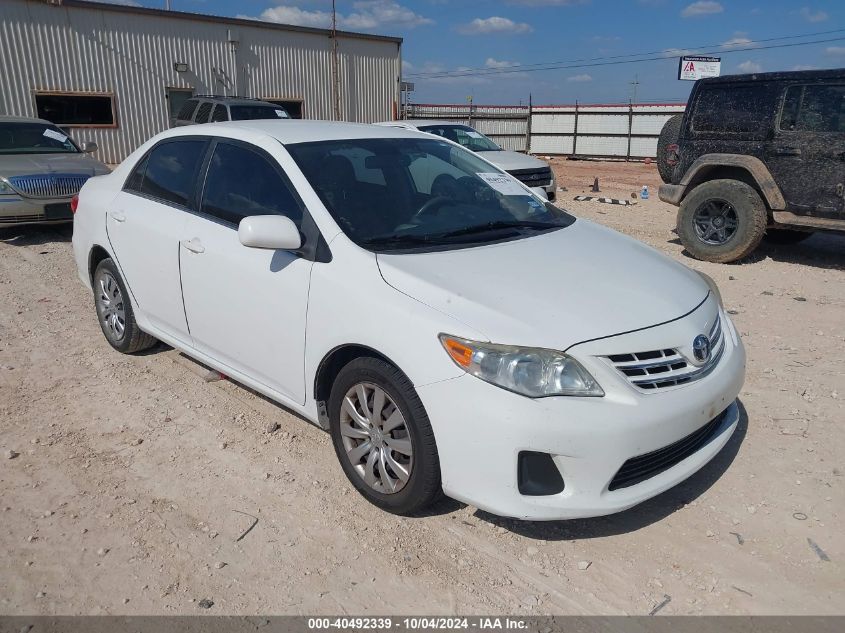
694,67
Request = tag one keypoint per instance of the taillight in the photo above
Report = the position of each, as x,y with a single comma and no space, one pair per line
673,155
74,204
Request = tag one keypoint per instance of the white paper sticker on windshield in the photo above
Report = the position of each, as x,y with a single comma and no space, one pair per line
474,134
281,114
56,136
503,183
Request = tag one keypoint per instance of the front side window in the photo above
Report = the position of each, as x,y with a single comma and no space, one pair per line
186,112
241,182
76,109
814,109
464,136
203,112
219,114
34,138
429,194
169,171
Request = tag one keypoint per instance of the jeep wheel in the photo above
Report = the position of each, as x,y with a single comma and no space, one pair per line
786,236
721,221
668,136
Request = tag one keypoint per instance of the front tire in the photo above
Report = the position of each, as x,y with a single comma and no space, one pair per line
114,311
382,437
722,221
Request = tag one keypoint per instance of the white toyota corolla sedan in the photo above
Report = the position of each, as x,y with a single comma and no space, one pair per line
451,330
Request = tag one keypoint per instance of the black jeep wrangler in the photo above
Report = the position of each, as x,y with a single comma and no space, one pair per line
753,156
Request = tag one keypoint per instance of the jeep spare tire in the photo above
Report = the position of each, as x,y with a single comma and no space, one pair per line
668,135
721,221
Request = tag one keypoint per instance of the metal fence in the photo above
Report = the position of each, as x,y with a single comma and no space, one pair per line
613,131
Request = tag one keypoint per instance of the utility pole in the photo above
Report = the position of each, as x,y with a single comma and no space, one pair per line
335,70
634,85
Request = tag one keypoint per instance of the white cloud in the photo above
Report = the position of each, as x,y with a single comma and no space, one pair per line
548,3
495,63
738,40
495,24
749,67
702,7
803,67
366,15
813,16
835,51
580,78
407,66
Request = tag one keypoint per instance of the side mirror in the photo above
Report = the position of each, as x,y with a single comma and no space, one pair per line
269,231
90,147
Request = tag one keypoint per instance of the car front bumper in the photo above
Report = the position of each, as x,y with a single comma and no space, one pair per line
481,429
18,210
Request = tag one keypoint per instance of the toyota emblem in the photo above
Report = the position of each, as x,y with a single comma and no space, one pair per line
701,349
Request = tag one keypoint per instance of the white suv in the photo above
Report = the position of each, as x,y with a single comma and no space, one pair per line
452,330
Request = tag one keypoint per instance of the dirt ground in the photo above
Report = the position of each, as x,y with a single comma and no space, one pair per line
136,480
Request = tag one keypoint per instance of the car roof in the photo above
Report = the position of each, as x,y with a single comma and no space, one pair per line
235,100
793,75
289,131
8,118
417,123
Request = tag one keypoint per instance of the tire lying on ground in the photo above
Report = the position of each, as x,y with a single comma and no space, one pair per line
786,236
722,221
668,135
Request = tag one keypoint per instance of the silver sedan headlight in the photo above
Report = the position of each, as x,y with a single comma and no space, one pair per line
5,188
530,371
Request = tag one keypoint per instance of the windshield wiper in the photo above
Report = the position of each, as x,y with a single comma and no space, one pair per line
398,240
495,226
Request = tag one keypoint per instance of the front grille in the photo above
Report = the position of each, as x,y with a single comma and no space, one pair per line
48,185
541,177
658,369
9,219
638,469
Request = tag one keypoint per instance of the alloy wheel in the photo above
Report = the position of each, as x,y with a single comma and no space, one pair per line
109,300
376,438
715,222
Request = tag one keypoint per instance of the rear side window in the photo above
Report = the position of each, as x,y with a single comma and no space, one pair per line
203,112
136,179
814,109
170,171
187,110
241,182
733,109
220,113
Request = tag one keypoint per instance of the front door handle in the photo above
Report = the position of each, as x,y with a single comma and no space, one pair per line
118,216
788,151
194,245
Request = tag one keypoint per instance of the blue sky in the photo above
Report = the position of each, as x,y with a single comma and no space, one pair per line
446,35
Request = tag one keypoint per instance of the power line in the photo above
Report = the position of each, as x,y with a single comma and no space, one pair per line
621,59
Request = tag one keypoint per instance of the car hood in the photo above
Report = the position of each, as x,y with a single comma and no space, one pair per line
551,290
31,164
508,160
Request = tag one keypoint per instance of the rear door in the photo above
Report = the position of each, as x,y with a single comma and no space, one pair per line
807,153
246,307
144,224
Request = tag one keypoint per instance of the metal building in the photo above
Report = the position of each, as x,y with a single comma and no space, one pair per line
115,74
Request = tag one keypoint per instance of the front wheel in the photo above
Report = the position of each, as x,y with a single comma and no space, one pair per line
722,221
382,436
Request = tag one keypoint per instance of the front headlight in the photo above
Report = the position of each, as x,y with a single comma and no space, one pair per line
5,188
713,287
530,371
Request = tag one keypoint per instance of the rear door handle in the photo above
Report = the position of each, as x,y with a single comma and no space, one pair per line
194,245
118,216
788,151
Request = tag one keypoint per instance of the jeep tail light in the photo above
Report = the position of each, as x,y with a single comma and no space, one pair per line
673,155
74,204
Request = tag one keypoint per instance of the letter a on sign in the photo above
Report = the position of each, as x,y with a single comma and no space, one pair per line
689,68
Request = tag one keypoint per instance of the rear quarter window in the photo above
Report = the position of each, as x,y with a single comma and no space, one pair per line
734,109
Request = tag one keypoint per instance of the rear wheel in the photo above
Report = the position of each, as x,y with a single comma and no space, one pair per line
382,436
786,236
721,221
668,136
114,311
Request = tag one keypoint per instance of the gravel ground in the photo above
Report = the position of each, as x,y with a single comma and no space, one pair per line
129,483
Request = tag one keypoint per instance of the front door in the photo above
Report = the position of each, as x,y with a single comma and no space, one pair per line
144,223
807,154
246,307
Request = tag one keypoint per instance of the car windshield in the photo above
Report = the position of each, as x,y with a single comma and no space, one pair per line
34,138
413,193
463,135
250,112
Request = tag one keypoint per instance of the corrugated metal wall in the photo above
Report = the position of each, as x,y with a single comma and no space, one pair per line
46,47
611,131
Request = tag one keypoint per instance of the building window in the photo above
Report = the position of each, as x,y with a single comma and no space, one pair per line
76,109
